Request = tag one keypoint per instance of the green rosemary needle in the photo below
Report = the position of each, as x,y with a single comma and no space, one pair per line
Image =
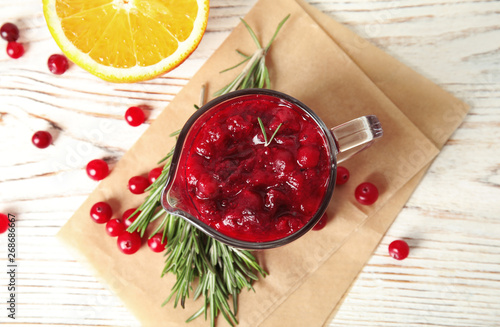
222,271
266,141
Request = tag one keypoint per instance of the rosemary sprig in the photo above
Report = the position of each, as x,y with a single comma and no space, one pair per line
222,271
255,74
266,141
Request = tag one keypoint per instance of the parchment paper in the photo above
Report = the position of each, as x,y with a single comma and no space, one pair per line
340,76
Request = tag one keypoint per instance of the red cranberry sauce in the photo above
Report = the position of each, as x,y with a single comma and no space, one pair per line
244,189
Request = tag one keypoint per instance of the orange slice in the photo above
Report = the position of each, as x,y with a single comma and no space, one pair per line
127,40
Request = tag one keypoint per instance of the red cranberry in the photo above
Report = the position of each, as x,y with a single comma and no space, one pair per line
138,184
58,64
366,193
274,198
204,149
399,249
97,169
127,220
134,116
321,223
342,175
155,243
238,126
115,227
129,243
261,178
309,136
289,120
4,223
308,156
309,207
250,200
288,141
101,212
41,139
283,160
214,135
154,174
289,224
206,188
208,208
296,181
9,32
15,50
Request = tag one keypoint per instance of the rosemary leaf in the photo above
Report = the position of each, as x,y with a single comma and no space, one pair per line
170,154
242,54
237,65
196,315
177,132
280,25
252,34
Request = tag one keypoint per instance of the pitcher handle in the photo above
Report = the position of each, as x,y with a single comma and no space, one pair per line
356,135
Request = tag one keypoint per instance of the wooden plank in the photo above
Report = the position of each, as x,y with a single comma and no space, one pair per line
451,222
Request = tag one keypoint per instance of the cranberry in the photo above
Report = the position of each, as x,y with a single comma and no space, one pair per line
9,32
283,160
289,224
155,243
250,200
15,50
126,217
211,138
134,116
310,136
154,174
208,207
41,139
288,141
321,223
289,120
97,169
138,184
309,207
129,243
342,175
238,126
296,181
214,135
204,149
399,249
4,223
206,188
115,227
308,156
366,193
274,199
101,212
58,64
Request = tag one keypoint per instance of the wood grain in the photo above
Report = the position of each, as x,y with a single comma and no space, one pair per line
452,222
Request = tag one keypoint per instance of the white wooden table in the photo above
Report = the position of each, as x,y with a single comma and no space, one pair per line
452,222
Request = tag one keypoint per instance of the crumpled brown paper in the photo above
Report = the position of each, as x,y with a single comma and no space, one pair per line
340,76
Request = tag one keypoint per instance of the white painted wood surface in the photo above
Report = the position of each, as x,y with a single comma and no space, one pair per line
452,222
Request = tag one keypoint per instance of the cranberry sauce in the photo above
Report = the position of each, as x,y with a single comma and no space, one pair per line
230,180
